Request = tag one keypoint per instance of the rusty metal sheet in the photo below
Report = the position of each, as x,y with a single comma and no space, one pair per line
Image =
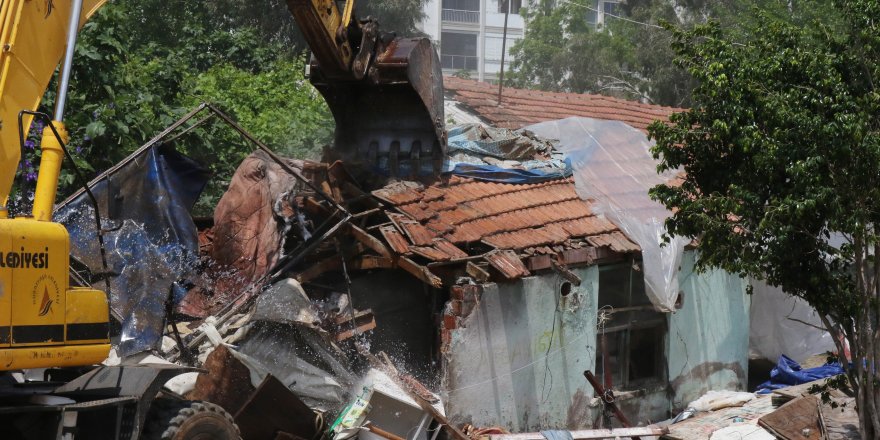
274,409
508,263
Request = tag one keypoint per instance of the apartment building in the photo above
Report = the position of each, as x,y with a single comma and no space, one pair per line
470,33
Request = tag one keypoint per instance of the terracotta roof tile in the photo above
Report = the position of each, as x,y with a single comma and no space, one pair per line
525,107
430,253
395,239
449,248
462,211
508,263
615,240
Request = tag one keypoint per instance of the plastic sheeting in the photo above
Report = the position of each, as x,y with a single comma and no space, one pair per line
784,324
298,355
613,166
788,372
151,240
502,155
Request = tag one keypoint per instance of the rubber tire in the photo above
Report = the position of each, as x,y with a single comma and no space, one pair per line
188,420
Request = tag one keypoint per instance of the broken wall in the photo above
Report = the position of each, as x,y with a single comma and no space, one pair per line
708,339
515,353
517,360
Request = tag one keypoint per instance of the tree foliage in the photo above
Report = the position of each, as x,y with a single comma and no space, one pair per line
631,56
781,155
142,64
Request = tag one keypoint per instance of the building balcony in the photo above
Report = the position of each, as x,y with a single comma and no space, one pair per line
460,16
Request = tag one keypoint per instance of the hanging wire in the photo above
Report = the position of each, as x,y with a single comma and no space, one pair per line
608,14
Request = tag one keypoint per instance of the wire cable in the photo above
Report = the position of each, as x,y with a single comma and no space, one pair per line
612,15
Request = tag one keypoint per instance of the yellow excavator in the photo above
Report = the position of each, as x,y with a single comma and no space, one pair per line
385,94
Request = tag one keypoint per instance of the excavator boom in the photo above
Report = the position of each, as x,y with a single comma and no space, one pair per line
33,38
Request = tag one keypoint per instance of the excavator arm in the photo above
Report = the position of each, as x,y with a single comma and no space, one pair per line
385,92
33,39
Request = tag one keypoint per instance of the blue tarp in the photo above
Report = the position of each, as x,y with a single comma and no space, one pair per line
150,237
471,147
788,372
493,173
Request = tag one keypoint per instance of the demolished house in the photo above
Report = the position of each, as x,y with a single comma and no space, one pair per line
534,258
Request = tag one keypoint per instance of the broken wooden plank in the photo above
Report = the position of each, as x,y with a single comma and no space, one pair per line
319,268
566,273
479,274
607,399
796,420
589,434
369,241
388,367
369,262
420,272
348,326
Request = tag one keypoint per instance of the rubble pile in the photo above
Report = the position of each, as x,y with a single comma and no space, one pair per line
317,306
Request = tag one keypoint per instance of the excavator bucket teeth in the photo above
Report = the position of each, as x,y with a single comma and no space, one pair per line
390,122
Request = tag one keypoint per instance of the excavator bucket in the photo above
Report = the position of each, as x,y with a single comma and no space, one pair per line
391,121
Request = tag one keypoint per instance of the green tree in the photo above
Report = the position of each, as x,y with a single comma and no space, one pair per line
630,56
142,64
781,154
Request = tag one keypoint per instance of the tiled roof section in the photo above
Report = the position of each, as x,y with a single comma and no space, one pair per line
520,107
439,221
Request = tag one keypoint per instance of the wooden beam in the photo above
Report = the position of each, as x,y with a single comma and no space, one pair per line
369,241
319,268
480,275
566,273
420,272
369,262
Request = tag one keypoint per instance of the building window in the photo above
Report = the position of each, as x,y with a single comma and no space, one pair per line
461,11
596,14
631,333
458,51
515,5
493,47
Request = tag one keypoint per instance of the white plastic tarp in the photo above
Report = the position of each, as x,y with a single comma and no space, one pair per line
784,324
613,166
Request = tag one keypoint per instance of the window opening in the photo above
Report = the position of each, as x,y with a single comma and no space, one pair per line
630,340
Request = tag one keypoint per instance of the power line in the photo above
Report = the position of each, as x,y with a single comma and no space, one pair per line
612,15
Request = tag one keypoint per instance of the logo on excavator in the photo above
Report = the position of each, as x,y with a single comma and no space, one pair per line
46,303
49,7
46,297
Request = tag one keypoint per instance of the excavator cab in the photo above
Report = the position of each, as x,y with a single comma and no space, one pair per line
385,92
